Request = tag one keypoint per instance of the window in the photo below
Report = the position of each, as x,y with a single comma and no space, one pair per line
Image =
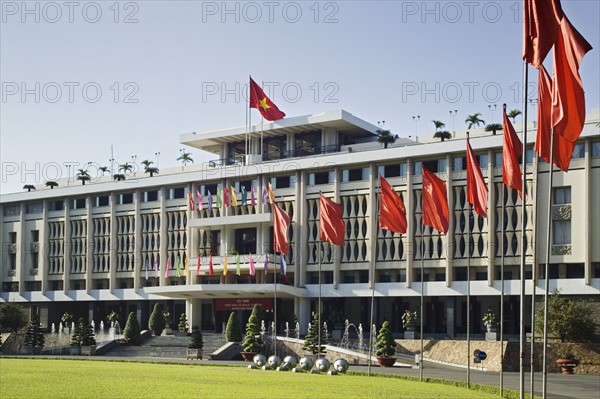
575,270
357,174
12,237
175,193
529,156
281,182
418,168
498,159
595,149
460,163
578,151
245,240
432,166
151,196
215,242
57,206
483,160
103,200
35,235
209,188
35,207
562,232
126,198
12,210
274,148
394,170
78,203
318,178
562,195
441,165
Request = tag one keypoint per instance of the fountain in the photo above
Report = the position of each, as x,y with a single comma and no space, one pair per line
101,325
297,330
263,330
287,329
93,325
360,337
72,326
374,336
325,328
52,329
274,337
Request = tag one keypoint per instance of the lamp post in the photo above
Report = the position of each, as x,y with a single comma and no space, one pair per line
157,155
416,120
68,173
133,158
492,108
453,115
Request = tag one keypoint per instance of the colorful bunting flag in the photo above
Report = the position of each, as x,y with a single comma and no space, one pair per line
252,267
238,268
198,266
244,196
211,272
282,265
178,267
168,267
199,196
191,201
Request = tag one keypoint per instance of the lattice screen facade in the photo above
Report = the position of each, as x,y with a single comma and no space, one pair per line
78,242
56,247
125,243
150,240
101,231
176,237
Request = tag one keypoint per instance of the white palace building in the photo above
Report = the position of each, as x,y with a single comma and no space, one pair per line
85,249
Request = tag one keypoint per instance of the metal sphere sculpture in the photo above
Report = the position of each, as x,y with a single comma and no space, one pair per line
274,361
322,365
289,362
306,363
341,365
259,360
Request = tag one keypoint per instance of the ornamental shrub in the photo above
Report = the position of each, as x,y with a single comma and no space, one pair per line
132,330
157,320
232,332
196,338
252,340
311,341
385,344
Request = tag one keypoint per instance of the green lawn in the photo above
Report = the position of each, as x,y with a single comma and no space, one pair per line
49,378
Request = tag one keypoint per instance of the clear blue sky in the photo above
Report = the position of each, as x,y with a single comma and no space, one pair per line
164,71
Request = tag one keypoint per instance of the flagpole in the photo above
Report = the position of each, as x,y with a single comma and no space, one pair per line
522,337
547,267
502,296
275,304
421,310
319,304
468,295
247,124
377,199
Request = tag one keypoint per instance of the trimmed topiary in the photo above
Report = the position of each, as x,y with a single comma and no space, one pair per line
196,338
233,332
34,338
77,335
311,341
385,344
157,320
252,340
132,331
87,335
183,323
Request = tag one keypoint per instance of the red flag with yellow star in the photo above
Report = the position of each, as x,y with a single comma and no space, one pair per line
261,102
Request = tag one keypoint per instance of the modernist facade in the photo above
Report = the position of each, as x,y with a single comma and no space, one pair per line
92,248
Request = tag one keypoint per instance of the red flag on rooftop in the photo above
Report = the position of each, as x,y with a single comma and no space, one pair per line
260,101
477,191
280,226
568,98
331,225
563,148
540,29
392,212
434,202
512,148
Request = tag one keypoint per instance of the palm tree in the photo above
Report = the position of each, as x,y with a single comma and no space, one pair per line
119,177
438,125
153,170
385,137
493,127
146,163
185,158
513,114
444,134
51,184
103,169
29,187
126,167
474,120
83,175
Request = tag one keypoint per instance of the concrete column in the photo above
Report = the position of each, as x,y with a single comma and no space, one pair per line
67,248
297,226
137,238
372,228
337,260
21,262
302,311
113,244
587,247
449,238
163,236
89,256
193,310
43,251
409,203
491,219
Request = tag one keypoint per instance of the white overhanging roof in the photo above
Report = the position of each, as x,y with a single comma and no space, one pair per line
227,291
338,119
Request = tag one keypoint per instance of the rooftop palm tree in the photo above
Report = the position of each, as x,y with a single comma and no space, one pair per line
126,167
513,114
83,175
444,134
103,169
438,125
29,187
474,120
146,163
493,127
153,170
386,137
51,184
119,177
185,158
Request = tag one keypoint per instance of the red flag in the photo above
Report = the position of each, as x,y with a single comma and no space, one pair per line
191,201
211,272
331,225
225,197
563,149
477,191
512,148
540,28
434,202
261,102
568,98
271,194
281,223
198,267
392,212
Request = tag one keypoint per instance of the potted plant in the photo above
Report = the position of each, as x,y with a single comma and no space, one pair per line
34,339
157,320
194,350
88,342
409,320
252,341
183,324
489,320
566,360
131,333
232,331
66,320
386,346
311,341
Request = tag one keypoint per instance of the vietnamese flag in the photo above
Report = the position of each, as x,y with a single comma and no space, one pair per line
563,149
434,202
211,272
392,212
281,223
331,225
541,25
512,148
477,191
261,102
568,98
